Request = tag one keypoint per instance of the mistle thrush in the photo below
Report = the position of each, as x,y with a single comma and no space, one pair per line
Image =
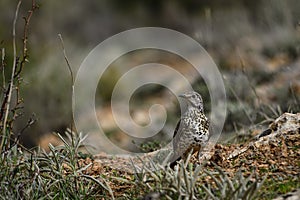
192,130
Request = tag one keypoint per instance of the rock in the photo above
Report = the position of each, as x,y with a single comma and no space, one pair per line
286,124
295,195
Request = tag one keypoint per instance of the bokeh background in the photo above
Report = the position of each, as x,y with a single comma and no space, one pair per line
256,45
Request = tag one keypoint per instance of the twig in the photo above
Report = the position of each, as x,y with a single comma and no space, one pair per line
72,78
296,100
247,77
2,66
241,103
16,64
66,58
14,143
34,6
12,78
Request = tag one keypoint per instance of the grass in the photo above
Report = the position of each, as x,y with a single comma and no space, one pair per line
67,173
277,187
64,174
58,174
194,181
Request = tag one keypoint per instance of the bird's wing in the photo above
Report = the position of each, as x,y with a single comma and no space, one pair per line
178,133
177,128
176,137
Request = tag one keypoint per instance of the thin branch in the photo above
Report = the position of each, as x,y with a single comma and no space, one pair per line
241,103
12,78
72,76
247,77
295,98
3,66
34,6
16,141
66,58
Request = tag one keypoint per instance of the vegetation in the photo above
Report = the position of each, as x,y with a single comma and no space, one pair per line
195,182
66,173
55,175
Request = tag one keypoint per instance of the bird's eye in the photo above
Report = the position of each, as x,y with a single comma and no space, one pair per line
194,96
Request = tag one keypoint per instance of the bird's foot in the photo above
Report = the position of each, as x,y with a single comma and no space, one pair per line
204,155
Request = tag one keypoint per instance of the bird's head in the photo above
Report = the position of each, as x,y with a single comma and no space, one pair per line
194,99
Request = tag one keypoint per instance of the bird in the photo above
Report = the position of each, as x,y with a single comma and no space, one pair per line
192,130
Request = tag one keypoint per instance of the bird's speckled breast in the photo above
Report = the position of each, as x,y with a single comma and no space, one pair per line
194,131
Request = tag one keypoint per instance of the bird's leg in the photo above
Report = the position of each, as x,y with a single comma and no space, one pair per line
174,158
199,155
187,155
204,153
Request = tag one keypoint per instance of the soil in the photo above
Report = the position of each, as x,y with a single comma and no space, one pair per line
273,154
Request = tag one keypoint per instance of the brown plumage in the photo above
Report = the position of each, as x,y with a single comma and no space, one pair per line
192,130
